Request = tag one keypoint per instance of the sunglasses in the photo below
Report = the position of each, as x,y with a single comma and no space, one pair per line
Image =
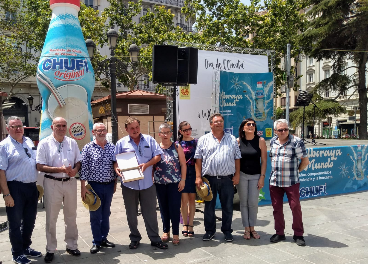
187,130
282,130
28,154
251,124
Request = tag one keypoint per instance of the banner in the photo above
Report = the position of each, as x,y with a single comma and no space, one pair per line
197,102
247,95
332,170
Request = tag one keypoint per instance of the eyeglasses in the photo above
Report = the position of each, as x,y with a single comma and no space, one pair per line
28,154
60,126
60,147
16,127
282,130
166,133
218,122
101,130
187,130
140,150
251,124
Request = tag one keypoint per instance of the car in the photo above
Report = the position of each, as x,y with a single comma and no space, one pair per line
33,133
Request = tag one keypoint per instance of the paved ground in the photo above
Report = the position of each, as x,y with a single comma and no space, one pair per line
336,231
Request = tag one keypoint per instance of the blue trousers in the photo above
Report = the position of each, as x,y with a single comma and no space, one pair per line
100,219
22,216
169,199
224,187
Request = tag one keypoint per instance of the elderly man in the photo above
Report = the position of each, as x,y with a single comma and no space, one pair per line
59,158
148,153
98,169
218,159
288,158
18,176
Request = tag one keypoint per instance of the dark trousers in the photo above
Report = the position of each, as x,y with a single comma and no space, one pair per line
147,199
224,187
292,193
169,199
100,223
22,216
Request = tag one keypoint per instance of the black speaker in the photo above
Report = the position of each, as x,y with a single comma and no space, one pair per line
164,64
187,66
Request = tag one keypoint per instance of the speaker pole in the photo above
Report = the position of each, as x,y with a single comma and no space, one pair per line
175,127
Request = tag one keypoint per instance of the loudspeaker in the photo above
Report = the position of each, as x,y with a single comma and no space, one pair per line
187,66
164,64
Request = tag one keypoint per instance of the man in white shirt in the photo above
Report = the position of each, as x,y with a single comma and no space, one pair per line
58,156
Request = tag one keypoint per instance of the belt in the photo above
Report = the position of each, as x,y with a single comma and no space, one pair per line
104,183
56,178
219,177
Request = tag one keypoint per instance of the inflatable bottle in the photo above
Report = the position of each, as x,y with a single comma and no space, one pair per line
65,76
259,108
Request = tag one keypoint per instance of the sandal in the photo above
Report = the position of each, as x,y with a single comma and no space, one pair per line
165,237
254,234
185,232
175,241
159,244
246,234
190,233
134,244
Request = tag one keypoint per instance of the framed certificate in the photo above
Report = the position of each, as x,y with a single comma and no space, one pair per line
128,165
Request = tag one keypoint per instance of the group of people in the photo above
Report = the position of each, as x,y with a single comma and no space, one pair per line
172,172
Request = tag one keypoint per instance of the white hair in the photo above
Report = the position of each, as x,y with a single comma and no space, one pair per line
10,118
164,125
97,124
280,121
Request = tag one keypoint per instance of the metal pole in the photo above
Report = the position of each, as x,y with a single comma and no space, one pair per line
175,127
303,122
114,125
288,62
355,131
314,118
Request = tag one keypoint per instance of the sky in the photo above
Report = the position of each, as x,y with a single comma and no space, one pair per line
246,2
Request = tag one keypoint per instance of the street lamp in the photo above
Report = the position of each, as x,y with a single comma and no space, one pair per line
112,63
30,102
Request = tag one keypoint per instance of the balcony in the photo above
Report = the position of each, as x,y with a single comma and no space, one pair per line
178,3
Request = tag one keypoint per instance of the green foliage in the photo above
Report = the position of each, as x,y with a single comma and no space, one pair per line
338,31
279,113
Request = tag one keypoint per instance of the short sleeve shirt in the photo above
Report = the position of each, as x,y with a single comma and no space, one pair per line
285,160
145,151
218,158
51,153
14,160
98,162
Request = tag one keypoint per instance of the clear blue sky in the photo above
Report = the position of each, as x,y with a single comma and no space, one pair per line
246,2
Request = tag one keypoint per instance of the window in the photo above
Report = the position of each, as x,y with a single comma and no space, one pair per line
89,3
310,78
145,10
310,62
327,74
283,101
327,94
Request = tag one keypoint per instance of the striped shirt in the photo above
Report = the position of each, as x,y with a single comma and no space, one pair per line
98,163
285,160
18,166
218,158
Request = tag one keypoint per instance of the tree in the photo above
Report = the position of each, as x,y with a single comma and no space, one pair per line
338,30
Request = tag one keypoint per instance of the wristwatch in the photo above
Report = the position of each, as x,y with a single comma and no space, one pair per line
6,195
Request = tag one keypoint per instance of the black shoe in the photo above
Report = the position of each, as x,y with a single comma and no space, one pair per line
229,237
73,252
107,243
49,257
299,240
277,238
208,237
160,245
94,249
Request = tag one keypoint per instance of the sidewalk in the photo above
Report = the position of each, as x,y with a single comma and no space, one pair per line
336,231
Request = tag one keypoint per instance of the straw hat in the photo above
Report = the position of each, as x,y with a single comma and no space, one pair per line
92,202
40,192
205,191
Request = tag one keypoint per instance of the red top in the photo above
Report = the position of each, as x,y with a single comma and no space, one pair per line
73,2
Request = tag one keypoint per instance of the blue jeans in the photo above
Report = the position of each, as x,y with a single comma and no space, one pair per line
22,216
100,219
169,200
224,187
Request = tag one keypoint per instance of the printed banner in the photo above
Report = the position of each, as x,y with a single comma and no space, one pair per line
332,170
247,95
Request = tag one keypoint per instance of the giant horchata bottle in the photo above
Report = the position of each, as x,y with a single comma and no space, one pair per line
65,76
